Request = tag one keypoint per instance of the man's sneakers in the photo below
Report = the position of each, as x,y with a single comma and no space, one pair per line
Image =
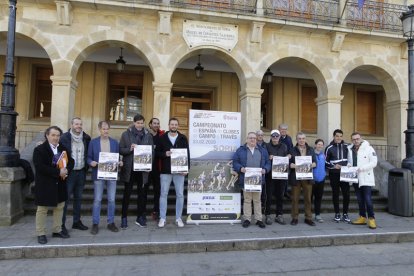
360,221
161,223
319,219
246,223
269,220
141,221
260,224
345,218
279,219
95,229
337,217
371,223
112,227
79,225
179,222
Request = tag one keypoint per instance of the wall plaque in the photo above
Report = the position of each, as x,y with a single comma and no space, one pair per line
199,33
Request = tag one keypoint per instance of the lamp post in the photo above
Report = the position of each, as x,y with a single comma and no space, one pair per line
407,19
9,156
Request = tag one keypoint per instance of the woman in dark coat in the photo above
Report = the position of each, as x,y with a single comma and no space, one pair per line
50,183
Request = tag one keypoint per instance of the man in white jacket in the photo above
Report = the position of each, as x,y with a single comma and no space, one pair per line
363,156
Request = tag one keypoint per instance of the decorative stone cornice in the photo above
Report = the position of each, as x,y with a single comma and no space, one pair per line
162,87
64,12
164,24
64,81
337,39
256,32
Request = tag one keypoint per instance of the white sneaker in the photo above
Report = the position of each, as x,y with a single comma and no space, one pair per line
179,223
161,223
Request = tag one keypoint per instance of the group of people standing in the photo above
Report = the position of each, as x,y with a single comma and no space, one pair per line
63,159
56,184
256,153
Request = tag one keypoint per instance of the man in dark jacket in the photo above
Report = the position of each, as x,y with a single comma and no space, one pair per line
76,141
275,187
154,176
287,140
251,155
131,138
171,139
50,182
336,156
301,149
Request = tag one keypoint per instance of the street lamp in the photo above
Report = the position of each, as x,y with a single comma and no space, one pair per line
199,69
407,19
9,156
268,76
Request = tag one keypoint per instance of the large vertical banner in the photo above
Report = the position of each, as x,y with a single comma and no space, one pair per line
213,195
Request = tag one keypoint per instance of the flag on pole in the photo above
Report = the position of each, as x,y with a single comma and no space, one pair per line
360,3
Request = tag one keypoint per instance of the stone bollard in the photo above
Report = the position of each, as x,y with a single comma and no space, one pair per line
11,194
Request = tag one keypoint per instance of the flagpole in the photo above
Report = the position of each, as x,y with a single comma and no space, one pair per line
343,10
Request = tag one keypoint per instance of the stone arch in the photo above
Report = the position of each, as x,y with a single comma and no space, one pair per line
240,66
109,38
386,75
36,35
305,60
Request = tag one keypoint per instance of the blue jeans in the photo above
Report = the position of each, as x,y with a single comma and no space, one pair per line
74,184
178,180
363,195
98,192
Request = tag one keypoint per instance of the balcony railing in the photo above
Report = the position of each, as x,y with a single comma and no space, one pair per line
229,6
376,16
315,11
373,16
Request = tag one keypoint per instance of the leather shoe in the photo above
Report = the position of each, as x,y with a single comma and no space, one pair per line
79,225
64,230
42,239
246,223
294,222
310,222
60,235
260,224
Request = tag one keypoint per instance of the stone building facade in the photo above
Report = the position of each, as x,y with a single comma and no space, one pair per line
334,65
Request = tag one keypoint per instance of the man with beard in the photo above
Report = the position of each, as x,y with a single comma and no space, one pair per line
171,139
76,141
154,176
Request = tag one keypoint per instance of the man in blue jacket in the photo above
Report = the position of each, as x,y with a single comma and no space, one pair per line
103,143
250,155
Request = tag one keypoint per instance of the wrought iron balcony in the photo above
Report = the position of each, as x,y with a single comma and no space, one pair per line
373,16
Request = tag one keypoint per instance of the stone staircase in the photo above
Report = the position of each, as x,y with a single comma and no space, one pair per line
380,203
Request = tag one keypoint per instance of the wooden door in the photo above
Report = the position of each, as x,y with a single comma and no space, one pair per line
181,111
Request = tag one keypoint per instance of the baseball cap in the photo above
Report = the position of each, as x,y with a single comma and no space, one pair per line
275,133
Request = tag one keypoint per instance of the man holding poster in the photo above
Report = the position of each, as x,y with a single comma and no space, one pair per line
133,137
97,147
171,141
302,151
248,156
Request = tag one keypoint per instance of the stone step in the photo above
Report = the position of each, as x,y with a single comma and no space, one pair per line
21,241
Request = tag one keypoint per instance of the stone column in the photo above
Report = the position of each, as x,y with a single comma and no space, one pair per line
11,195
162,102
250,101
63,101
396,118
329,116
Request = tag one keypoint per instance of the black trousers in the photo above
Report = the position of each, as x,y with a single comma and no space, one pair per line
154,180
336,185
276,188
317,193
142,191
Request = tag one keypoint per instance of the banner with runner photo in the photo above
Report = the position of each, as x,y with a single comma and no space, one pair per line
349,174
108,166
280,167
213,192
303,167
143,158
